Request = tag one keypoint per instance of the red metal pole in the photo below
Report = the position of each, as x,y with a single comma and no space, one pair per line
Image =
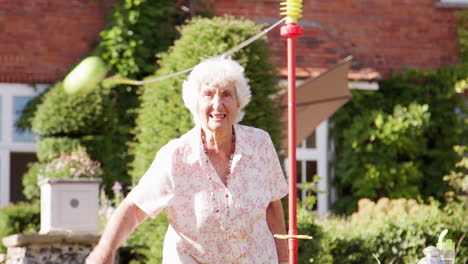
291,30
293,243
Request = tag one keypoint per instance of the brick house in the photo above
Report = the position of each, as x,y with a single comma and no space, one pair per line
40,41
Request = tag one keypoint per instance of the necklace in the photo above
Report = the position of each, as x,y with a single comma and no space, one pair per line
231,156
216,209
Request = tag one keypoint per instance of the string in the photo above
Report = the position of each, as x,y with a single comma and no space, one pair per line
117,79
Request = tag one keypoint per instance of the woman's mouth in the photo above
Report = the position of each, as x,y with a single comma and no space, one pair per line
218,116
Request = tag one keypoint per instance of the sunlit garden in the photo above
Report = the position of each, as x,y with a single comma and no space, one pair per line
401,152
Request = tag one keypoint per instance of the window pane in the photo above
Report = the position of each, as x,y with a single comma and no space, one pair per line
311,169
1,121
299,195
455,1
19,102
19,165
310,141
298,172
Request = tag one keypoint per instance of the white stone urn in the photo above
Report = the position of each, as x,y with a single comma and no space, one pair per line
69,205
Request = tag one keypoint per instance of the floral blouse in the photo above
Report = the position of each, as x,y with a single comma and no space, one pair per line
210,222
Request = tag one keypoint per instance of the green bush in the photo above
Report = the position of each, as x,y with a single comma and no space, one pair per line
19,218
136,31
396,231
163,116
145,244
31,190
462,31
458,178
313,250
27,114
62,114
398,141
89,121
48,148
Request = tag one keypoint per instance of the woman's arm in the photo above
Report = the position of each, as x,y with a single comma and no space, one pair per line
124,220
275,220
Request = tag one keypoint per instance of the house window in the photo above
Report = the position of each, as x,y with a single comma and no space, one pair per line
310,141
19,102
312,158
17,148
18,166
305,172
1,115
452,3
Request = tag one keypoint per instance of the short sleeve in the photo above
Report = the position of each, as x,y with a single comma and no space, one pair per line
277,181
155,189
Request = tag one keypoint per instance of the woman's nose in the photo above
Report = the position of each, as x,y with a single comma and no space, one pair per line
217,101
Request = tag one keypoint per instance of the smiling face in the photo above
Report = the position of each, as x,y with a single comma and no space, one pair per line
217,106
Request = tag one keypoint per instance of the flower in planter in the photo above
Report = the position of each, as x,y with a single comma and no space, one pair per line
77,164
118,195
107,206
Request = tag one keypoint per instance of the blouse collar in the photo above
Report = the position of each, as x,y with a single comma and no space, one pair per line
243,147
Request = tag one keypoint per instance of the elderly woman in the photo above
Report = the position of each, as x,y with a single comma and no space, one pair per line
220,183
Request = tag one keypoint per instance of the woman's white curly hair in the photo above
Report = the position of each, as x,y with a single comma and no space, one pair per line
216,71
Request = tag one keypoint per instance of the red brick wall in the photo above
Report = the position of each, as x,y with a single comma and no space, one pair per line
382,34
41,39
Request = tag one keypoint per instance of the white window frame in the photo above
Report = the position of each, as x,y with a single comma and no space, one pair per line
452,3
321,154
7,92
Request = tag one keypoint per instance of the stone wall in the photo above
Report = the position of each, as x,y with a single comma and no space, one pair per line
50,249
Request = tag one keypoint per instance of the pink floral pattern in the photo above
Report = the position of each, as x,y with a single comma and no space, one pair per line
211,222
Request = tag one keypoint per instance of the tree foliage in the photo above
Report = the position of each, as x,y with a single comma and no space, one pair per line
163,116
137,30
398,141
462,31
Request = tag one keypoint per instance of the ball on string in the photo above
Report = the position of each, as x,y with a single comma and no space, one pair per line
85,76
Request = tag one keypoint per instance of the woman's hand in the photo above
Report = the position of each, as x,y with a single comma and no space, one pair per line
275,220
98,256
124,220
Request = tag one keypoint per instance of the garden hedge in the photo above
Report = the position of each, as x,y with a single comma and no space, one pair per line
396,231
62,114
19,218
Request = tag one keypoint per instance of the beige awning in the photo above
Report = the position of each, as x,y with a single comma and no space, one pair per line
318,99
